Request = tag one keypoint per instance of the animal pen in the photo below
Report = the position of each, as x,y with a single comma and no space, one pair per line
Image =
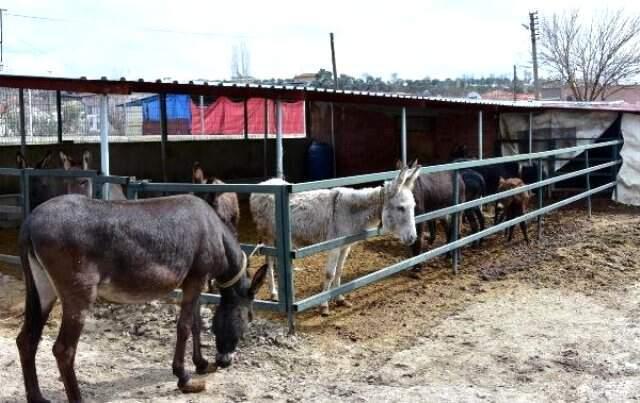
607,161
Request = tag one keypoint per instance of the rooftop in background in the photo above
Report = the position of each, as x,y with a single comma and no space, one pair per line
502,95
297,93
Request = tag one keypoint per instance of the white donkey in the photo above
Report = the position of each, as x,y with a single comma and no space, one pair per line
320,215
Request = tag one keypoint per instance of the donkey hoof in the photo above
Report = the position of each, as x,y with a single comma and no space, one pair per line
206,368
274,296
193,386
324,311
343,302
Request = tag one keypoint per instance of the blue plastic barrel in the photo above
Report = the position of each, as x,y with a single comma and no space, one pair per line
319,161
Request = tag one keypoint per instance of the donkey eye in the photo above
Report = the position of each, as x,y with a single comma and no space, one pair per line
401,209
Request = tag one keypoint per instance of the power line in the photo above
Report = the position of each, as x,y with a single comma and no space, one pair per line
130,27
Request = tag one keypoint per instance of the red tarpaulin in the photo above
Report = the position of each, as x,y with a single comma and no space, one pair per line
226,117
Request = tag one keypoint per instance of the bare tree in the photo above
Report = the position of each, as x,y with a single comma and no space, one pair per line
594,59
240,62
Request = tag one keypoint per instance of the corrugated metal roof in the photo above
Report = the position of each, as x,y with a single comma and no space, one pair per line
293,92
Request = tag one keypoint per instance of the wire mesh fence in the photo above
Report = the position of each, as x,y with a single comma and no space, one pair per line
137,117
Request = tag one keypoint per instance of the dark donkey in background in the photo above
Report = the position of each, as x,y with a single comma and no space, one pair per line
76,249
116,192
490,173
432,192
43,188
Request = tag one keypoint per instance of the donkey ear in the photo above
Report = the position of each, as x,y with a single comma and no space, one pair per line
414,163
21,162
45,161
411,181
258,279
66,161
399,180
197,174
86,159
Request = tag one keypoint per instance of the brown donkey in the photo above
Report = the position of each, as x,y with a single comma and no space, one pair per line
225,204
513,206
76,249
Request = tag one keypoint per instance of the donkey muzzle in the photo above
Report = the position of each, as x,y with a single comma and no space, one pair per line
224,360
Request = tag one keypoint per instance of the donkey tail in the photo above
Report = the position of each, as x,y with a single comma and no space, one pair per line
32,313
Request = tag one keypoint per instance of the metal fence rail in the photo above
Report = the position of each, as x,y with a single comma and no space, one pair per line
283,250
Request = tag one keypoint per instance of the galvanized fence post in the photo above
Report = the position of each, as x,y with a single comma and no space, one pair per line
24,189
455,224
588,179
614,172
132,189
285,273
540,198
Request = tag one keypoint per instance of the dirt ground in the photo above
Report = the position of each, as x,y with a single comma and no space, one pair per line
555,321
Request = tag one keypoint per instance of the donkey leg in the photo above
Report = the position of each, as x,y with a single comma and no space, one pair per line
433,228
329,275
523,228
272,280
31,332
202,365
481,223
190,297
344,252
416,248
74,310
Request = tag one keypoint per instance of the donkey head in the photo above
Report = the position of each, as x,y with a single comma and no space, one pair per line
398,208
77,185
198,176
235,311
42,188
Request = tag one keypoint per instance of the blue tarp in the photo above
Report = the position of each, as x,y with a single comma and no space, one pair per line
178,107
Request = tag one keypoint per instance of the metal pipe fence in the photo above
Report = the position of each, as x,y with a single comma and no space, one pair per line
285,253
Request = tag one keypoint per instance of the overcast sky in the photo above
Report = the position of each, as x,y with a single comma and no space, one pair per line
194,39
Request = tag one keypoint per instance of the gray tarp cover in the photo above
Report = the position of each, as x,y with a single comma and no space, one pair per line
629,174
568,128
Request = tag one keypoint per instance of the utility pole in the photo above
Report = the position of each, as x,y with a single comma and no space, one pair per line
333,61
2,10
515,81
533,29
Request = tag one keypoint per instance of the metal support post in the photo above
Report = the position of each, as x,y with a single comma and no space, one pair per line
540,198
266,135
245,113
480,136
59,115
25,191
164,134
104,143
23,129
285,272
614,171
586,163
530,134
455,225
132,189
333,139
403,138
202,131
279,150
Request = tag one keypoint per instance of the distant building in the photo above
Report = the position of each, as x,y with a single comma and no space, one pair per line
304,78
502,95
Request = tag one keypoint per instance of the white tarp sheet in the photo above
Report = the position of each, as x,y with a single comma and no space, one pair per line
570,128
628,188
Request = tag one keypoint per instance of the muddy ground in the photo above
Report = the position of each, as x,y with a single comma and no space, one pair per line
555,321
